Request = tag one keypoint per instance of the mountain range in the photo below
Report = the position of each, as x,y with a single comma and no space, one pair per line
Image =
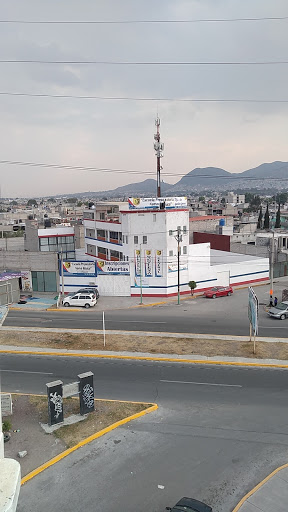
268,176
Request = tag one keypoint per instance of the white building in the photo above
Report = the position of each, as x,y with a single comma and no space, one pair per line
135,247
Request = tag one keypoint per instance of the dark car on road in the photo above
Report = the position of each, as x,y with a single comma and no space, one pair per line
190,505
218,291
89,290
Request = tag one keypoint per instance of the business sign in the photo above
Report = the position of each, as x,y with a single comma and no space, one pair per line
158,263
173,267
113,267
142,203
137,263
253,308
79,268
148,263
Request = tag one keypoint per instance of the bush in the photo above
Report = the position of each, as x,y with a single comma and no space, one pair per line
6,426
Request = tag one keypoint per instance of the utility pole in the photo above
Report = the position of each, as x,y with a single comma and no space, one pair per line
178,238
272,264
141,291
159,147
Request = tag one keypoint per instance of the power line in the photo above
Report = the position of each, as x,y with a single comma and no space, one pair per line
135,98
145,63
141,172
133,22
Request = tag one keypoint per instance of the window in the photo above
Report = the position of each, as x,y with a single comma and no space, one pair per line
43,241
154,217
170,253
126,239
101,233
135,240
144,239
102,252
90,233
102,215
114,255
170,232
114,235
184,249
184,230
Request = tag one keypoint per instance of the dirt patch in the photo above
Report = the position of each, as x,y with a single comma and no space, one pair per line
27,434
150,344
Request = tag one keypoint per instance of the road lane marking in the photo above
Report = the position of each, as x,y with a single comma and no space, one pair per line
202,383
23,371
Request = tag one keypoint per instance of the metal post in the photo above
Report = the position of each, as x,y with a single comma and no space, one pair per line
104,333
254,345
62,280
250,332
178,237
272,264
141,291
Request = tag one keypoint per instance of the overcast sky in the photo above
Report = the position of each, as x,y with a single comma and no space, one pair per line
119,134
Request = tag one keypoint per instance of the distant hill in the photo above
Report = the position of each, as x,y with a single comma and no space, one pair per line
267,176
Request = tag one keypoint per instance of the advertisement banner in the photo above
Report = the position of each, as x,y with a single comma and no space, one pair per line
158,263
26,279
148,263
113,267
137,261
79,268
253,308
154,202
173,267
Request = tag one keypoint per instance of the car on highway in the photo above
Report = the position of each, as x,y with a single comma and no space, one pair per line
190,505
280,311
218,291
85,300
90,290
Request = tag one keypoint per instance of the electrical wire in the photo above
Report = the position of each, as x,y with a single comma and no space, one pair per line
134,22
131,171
144,63
134,98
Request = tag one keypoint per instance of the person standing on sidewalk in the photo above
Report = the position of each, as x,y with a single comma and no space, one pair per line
271,301
275,302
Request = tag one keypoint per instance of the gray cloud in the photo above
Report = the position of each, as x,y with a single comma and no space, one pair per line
120,134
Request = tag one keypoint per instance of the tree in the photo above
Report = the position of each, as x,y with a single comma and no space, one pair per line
282,198
72,200
260,219
14,203
223,201
32,202
79,203
267,219
192,285
201,199
278,220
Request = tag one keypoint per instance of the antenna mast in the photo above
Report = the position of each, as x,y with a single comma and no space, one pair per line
159,147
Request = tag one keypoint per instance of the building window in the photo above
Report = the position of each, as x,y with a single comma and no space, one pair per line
102,215
89,215
154,217
126,239
90,233
91,249
114,236
184,249
170,253
115,255
101,234
184,230
144,239
102,253
135,240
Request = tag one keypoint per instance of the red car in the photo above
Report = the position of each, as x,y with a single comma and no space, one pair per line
218,291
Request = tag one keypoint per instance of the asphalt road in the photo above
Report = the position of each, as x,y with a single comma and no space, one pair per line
225,315
218,431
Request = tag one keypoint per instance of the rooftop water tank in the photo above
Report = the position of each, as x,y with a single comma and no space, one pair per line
222,222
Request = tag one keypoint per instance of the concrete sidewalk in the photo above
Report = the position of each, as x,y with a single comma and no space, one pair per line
269,495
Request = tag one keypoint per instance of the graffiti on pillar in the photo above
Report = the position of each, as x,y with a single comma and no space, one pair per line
86,392
55,402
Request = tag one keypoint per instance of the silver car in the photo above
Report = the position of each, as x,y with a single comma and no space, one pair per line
279,311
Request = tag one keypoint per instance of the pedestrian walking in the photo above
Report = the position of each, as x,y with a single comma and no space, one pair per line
275,302
271,301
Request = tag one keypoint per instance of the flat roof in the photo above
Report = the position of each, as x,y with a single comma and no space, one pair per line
220,257
208,217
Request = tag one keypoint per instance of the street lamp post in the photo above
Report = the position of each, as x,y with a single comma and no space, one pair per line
141,291
178,238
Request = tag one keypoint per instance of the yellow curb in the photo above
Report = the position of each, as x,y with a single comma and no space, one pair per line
258,486
76,398
64,454
147,358
65,309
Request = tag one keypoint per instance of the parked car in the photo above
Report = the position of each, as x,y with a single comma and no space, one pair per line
280,311
80,299
218,291
190,505
90,290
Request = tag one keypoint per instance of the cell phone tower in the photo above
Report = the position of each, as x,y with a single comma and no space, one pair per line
159,148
